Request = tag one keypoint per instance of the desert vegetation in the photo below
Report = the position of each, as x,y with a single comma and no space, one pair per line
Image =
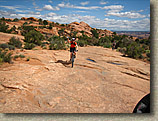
133,48
5,56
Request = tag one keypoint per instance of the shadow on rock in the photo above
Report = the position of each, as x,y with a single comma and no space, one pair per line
65,63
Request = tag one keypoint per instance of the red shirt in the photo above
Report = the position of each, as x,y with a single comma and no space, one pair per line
73,44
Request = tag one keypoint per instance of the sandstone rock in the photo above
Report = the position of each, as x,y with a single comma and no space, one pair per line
47,83
1,87
82,26
79,34
32,19
23,18
4,37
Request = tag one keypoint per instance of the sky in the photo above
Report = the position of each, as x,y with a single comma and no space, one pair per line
116,15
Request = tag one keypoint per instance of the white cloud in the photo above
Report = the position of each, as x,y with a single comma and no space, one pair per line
50,1
61,5
87,8
38,9
139,25
114,7
49,7
10,7
103,3
14,8
68,5
5,13
79,11
51,14
126,14
34,13
140,10
109,24
84,3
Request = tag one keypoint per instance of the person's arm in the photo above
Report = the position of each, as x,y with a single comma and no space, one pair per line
76,46
68,40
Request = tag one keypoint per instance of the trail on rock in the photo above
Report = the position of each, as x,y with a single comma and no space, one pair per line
47,83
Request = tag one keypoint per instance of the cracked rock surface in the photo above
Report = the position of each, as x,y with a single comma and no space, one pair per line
47,83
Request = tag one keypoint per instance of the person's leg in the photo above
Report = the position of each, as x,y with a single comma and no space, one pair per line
75,52
70,55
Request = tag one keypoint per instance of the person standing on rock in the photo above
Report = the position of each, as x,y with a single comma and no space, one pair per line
73,46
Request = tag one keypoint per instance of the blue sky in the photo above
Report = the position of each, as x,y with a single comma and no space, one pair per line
118,15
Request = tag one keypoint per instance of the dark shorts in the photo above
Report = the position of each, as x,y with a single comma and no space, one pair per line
72,49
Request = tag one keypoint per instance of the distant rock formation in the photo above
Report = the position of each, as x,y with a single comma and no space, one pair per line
80,28
30,18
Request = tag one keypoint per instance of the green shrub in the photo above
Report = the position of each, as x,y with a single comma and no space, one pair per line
26,29
93,41
15,57
15,42
50,26
11,47
30,22
148,55
45,22
1,61
44,47
122,50
4,46
34,37
5,57
22,56
57,44
141,56
25,23
133,50
95,34
147,51
13,28
3,26
15,20
57,23
40,21
61,32
3,19
81,43
29,46
63,25
107,45
41,27
44,44
18,56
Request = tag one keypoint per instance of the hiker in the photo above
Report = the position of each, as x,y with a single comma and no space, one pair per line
73,46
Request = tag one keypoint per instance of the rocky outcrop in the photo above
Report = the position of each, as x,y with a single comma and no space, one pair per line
82,26
102,81
4,37
30,18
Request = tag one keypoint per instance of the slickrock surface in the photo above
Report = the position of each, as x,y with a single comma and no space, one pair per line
4,37
47,83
